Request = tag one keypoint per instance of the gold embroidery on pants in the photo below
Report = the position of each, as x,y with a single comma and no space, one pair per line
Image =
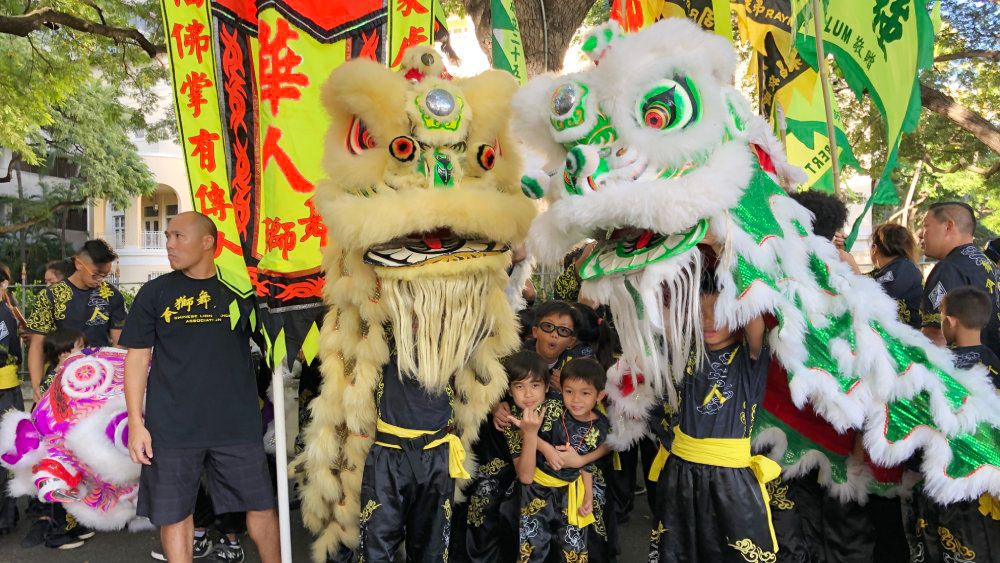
752,553
951,543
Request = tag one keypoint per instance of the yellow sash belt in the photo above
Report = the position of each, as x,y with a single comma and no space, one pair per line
456,453
989,506
8,377
721,452
574,497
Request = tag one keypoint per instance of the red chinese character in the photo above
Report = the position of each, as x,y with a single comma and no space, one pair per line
279,235
272,150
192,87
277,61
314,226
416,37
222,243
370,47
213,201
195,3
204,149
406,7
190,36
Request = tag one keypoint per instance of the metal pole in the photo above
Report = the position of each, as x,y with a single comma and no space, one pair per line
281,458
824,76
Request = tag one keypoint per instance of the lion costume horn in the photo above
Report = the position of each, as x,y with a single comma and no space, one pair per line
424,204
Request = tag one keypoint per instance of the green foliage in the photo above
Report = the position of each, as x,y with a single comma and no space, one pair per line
40,72
40,252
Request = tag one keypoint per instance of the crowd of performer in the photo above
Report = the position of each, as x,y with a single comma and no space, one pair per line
547,487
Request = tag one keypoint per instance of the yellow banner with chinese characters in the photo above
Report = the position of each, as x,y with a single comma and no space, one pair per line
188,27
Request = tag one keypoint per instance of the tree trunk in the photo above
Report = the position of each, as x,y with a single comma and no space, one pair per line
945,106
562,19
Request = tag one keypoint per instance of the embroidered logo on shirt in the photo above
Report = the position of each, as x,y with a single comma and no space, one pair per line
4,331
888,277
937,294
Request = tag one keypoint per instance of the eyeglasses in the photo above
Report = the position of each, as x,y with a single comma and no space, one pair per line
93,274
548,327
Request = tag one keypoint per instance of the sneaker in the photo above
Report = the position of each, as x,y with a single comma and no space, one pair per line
202,547
74,528
225,551
59,539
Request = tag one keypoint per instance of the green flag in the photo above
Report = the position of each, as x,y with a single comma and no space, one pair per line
507,51
807,140
879,46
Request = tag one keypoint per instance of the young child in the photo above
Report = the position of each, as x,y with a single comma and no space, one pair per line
944,532
711,503
56,347
487,536
556,495
556,324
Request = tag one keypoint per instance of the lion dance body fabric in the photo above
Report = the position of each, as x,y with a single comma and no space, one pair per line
424,203
73,448
650,150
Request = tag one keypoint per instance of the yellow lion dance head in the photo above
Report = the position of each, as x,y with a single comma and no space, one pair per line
424,205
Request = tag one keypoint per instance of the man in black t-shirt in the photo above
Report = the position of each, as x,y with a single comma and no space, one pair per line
84,301
947,236
192,334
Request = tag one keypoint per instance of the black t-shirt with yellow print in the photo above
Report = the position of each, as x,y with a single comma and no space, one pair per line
202,389
94,312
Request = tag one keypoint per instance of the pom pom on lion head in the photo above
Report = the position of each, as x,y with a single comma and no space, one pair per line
425,203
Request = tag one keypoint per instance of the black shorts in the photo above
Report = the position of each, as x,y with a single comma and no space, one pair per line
237,476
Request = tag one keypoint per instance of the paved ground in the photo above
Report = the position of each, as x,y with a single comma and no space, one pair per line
126,547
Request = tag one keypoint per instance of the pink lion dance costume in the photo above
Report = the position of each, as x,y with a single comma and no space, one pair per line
73,448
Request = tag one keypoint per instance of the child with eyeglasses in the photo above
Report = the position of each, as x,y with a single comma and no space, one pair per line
555,330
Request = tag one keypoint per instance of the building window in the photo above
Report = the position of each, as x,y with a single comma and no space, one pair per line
118,224
171,210
151,211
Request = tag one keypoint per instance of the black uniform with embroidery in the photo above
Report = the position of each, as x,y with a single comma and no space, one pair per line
902,280
486,535
91,311
10,398
965,265
706,512
958,532
544,511
406,494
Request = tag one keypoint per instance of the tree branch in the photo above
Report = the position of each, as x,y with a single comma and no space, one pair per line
46,17
968,54
7,229
943,105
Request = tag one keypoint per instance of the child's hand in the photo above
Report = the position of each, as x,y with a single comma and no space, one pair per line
530,421
501,416
554,379
587,507
553,458
569,457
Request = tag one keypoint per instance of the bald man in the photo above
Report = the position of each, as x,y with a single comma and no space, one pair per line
947,236
201,402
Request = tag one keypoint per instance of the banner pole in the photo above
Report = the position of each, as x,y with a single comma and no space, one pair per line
824,76
281,458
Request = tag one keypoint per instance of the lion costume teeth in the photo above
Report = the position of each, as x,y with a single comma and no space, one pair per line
652,144
424,203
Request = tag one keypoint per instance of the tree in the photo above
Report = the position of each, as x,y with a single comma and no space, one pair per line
547,26
51,48
88,135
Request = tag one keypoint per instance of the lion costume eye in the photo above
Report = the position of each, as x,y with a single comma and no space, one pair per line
359,139
669,104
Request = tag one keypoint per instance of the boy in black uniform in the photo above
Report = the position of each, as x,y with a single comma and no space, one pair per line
953,532
487,537
947,236
557,503
711,503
